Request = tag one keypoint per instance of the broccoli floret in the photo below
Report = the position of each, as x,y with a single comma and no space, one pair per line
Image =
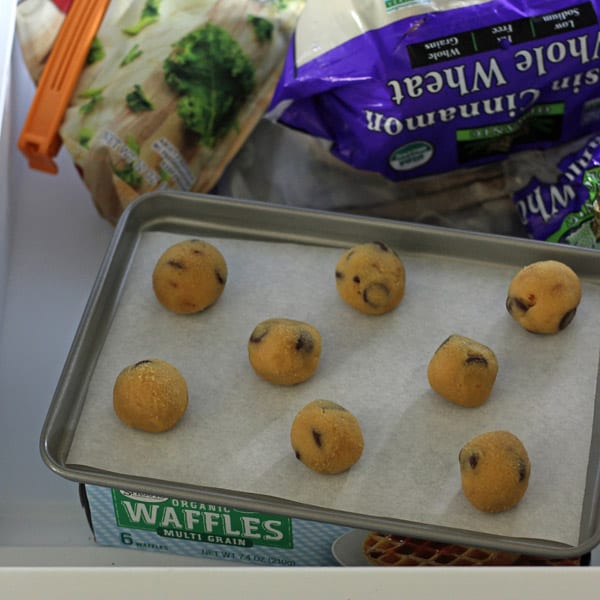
164,176
126,171
85,136
137,101
94,95
128,175
149,15
132,143
96,52
200,114
263,28
134,52
214,77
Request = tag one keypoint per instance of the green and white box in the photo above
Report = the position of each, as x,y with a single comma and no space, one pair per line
159,524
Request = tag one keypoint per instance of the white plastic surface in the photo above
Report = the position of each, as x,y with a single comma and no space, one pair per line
57,243
493,583
6,39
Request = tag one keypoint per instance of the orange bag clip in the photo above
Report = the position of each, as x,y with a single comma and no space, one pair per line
39,140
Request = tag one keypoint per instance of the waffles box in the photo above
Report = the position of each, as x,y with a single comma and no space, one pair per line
159,524
188,528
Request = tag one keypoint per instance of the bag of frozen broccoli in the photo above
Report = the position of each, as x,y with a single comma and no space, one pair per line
415,88
563,203
170,91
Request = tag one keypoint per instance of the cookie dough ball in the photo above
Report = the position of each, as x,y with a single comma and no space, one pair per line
463,371
543,296
326,437
189,276
150,395
370,277
494,469
284,351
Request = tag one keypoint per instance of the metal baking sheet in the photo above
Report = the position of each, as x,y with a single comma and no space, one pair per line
174,214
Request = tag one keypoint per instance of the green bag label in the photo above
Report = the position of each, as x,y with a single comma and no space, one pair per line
196,521
541,123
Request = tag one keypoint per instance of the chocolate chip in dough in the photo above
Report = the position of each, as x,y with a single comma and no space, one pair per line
189,276
284,351
326,437
494,470
370,277
543,296
463,371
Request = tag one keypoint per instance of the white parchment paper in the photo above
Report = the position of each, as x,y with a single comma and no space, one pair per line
235,434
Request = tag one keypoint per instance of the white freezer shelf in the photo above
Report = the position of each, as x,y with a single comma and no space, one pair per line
297,584
6,39
57,243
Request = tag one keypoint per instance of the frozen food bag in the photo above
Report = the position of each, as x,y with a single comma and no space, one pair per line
170,91
411,89
561,203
